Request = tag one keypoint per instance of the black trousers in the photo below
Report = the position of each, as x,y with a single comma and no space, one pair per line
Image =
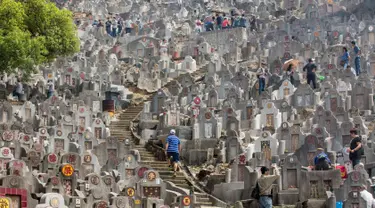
311,77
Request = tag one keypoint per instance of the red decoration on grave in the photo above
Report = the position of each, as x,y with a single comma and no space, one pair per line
330,66
242,159
70,70
7,136
197,100
342,169
72,159
52,158
355,176
6,152
55,181
142,171
81,110
207,115
82,75
335,34
81,128
26,138
318,131
101,204
186,201
67,170
16,172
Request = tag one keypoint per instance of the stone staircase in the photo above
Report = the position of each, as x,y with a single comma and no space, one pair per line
121,129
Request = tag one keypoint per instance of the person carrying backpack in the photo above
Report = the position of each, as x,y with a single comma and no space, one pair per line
321,160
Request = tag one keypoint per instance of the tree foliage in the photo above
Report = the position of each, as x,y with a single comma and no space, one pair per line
34,32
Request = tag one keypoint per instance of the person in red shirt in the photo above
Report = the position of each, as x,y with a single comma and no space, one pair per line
225,23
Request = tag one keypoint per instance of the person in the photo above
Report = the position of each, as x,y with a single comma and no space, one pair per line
355,149
114,27
108,24
290,73
198,26
321,160
100,24
262,74
253,23
310,70
345,58
243,21
120,24
138,24
225,23
236,21
209,25
357,59
173,149
95,23
51,88
265,186
219,21
19,89
128,26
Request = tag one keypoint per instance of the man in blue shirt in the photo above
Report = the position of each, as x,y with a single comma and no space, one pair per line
357,59
173,149
345,58
321,161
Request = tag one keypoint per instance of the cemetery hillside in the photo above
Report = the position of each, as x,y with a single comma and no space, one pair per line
187,103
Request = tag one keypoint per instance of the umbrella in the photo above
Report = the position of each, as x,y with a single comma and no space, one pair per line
294,62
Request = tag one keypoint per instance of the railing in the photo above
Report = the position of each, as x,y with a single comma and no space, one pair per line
132,126
159,152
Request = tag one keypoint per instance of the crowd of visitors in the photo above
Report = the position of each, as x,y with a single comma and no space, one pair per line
116,26
221,21
311,68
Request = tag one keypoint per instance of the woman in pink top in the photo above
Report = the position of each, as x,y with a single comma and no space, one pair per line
225,23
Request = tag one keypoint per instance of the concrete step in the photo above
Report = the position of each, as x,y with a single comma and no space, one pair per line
203,203
203,200
122,130
171,177
147,155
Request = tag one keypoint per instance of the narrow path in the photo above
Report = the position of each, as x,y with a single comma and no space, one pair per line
121,129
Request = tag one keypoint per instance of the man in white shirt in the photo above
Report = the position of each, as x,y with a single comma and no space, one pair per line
128,26
114,27
262,74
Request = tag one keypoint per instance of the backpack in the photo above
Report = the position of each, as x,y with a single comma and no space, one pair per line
256,192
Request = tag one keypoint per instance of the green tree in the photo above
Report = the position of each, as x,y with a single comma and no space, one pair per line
34,32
